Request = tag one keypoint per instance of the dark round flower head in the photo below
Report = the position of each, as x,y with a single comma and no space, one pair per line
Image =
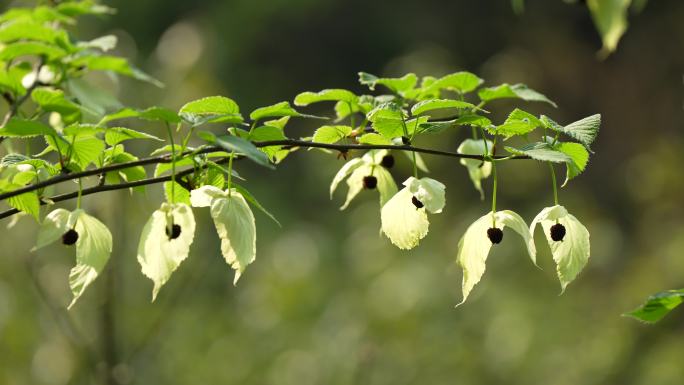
175,231
70,237
495,235
406,141
370,182
387,161
417,203
557,232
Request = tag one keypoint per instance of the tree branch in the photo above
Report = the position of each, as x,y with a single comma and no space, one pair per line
111,187
287,142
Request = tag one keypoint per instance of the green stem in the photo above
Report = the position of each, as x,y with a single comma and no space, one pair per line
553,181
80,192
173,164
413,153
230,171
494,175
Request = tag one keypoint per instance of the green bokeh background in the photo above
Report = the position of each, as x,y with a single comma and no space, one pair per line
328,300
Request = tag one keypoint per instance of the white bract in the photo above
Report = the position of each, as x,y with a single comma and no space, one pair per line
474,246
234,223
368,165
158,253
404,223
572,253
477,169
93,246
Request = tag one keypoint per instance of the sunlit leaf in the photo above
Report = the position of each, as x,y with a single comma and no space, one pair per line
658,306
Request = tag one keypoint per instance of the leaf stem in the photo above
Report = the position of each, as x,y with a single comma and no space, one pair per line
173,164
553,182
80,193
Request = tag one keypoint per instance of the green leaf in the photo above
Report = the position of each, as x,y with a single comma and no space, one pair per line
29,48
541,151
251,199
103,43
212,109
234,223
658,306
515,91
388,120
477,169
579,158
83,149
117,65
473,120
584,130
20,128
177,194
240,146
437,104
572,253
29,30
116,135
331,134
373,138
268,133
152,114
610,18
474,246
159,255
461,82
26,202
93,248
54,100
306,98
93,98
278,110
397,85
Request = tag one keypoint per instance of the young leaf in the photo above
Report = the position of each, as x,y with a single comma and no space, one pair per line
26,202
240,146
579,158
276,111
397,85
516,91
234,223
306,98
20,128
437,104
212,109
159,254
477,169
331,134
268,133
373,138
584,130
116,135
474,246
572,252
160,114
541,151
461,82
114,64
658,306
610,18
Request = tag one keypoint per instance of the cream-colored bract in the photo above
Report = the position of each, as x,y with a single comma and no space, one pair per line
93,246
234,223
572,253
477,169
358,168
158,254
404,223
474,246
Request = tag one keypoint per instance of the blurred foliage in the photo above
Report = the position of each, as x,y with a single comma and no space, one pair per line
329,301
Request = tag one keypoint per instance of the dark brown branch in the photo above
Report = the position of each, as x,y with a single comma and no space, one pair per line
287,142
110,187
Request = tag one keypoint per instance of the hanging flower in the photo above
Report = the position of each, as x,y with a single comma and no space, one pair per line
568,239
367,173
234,223
474,246
165,242
93,245
404,217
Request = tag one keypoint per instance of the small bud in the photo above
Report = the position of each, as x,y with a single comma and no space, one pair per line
417,203
406,141
175,231
387,161
370,182
557,232
70,237
495,235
